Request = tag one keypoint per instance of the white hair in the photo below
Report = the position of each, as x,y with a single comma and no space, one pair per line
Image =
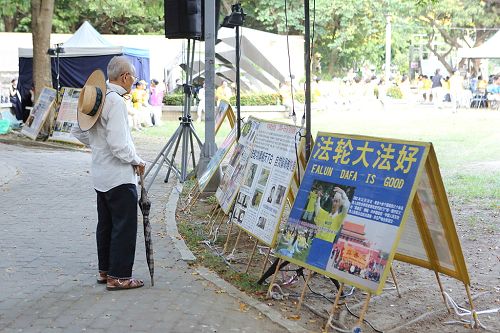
119,65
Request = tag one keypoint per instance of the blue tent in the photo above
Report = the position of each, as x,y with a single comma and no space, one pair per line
84,52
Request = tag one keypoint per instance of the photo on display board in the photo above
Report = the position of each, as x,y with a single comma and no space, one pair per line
251,175
257,197
236,154
246,128
238,215
261,223
242,199
271,194
264,176
313,239
362,250
280,193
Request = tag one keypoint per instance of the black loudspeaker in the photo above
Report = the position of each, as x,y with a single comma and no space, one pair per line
184,18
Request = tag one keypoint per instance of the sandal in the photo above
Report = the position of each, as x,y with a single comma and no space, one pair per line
102,277
120,284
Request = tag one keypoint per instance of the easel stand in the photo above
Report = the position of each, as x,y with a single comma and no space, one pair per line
192,197
184,133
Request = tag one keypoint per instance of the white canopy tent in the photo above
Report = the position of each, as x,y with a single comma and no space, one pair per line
489,50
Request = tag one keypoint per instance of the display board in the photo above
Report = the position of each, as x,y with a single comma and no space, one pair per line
66,116
351,206
224,110
430,238
266,182
233,175
39,113
216,160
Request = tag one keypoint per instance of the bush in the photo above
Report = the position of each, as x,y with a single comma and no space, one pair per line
246,99
258,99
394,92
300,97
173,99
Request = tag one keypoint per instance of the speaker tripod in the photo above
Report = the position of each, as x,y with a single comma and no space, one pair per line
185,133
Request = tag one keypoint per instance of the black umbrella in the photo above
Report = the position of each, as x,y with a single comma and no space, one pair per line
145,205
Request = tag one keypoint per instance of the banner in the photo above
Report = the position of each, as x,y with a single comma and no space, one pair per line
233,175
216,160
39,113
262,196
351,206
66,116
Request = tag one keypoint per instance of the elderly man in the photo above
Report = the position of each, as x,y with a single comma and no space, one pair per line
102,120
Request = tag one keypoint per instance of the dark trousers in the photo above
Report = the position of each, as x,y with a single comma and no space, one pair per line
117,230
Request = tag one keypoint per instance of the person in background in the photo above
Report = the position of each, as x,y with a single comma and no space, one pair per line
201,103
102,125
427,89
285,91
437,88
494,89
404,86
446,89
140,103
134,120
15,99
456,89
481,85
223,92
156,101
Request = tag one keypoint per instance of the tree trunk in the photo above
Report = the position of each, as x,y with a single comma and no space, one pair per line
9,23
41,27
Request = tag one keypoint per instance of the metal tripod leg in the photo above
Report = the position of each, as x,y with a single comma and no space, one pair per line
192,149
184,132
171,162
163,153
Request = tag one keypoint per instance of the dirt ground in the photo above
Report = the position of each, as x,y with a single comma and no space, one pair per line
421,307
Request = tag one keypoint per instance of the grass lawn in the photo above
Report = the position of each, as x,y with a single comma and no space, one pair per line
467,143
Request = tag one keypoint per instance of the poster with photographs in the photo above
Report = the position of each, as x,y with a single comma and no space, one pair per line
233,175
347,219
39,113
216,160
66,116
261,198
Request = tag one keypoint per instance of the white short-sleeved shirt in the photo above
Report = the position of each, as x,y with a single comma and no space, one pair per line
113,151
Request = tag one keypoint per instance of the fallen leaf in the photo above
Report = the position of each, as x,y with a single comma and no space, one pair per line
243,307
294,317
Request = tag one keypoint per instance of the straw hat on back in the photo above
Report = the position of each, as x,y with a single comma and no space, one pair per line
91,100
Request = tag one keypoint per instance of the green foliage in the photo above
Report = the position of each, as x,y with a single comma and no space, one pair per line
13,14
348,34
300,97
193,235
173,99
108,17
257,99
394,92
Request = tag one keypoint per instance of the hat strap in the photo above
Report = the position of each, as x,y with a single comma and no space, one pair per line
98,100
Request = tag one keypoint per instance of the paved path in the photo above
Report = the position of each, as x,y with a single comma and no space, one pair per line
48,260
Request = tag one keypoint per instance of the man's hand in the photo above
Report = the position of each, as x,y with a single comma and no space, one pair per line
139,169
